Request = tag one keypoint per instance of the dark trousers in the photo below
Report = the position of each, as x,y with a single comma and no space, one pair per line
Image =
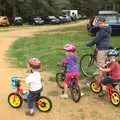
107,80
33,96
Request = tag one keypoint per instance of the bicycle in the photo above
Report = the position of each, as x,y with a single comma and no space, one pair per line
112,93
60,76
15,99
73,85
87,64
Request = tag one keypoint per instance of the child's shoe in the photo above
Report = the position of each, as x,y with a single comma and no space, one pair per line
64,96
101,94
28,113
82,94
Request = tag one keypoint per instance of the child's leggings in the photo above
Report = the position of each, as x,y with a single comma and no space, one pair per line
69,75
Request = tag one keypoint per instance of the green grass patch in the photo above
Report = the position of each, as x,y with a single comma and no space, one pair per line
52,79
47,46
4,30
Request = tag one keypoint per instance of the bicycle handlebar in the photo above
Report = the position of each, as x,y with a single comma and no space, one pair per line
15,81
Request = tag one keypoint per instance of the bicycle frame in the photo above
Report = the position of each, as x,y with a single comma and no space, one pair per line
94,54
64,66
109,88
65,71
19,90
72,82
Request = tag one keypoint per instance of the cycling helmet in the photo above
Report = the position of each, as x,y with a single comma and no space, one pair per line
113,52
70,47
34,63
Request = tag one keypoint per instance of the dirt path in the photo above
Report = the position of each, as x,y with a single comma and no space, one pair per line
89,108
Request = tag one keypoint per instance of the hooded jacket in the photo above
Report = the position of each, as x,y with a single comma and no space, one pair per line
103,38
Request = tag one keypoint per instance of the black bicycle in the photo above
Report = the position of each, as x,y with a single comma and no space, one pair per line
73,84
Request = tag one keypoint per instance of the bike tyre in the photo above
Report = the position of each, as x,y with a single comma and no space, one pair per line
60,80
75,92
87,65
17,98
47,104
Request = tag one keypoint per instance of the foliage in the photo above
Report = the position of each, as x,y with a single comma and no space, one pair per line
26,8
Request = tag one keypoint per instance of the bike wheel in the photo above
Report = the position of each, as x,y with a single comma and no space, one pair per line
87,65
44,104
115,98
95,88
75,93
15,100
60,80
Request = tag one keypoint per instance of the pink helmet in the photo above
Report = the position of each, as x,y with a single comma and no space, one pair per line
70,47
34,63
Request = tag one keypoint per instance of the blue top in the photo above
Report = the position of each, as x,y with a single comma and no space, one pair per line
103,38
72,65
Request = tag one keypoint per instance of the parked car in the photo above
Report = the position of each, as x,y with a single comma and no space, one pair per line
81,17
67,18
51,20
17,21
112,20
62,19
36,21
4,21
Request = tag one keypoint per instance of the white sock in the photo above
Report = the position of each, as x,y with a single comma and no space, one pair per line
32,110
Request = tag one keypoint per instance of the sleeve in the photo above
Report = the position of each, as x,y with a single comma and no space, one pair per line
110,29
76,59
112,66
65,60
98,37
103,34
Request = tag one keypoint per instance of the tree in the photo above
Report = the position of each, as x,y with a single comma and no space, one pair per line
26,8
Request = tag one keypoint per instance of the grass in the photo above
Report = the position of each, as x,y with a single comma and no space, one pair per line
47,46
4,30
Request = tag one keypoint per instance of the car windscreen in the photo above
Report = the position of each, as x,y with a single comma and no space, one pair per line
119,18
111,19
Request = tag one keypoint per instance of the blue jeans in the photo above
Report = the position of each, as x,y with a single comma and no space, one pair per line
33,96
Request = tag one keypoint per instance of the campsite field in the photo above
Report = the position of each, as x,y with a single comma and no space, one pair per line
46,43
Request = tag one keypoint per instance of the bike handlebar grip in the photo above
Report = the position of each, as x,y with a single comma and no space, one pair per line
111,47
15,81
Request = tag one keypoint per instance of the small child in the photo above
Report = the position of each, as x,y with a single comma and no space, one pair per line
34,82
72,66
112,68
